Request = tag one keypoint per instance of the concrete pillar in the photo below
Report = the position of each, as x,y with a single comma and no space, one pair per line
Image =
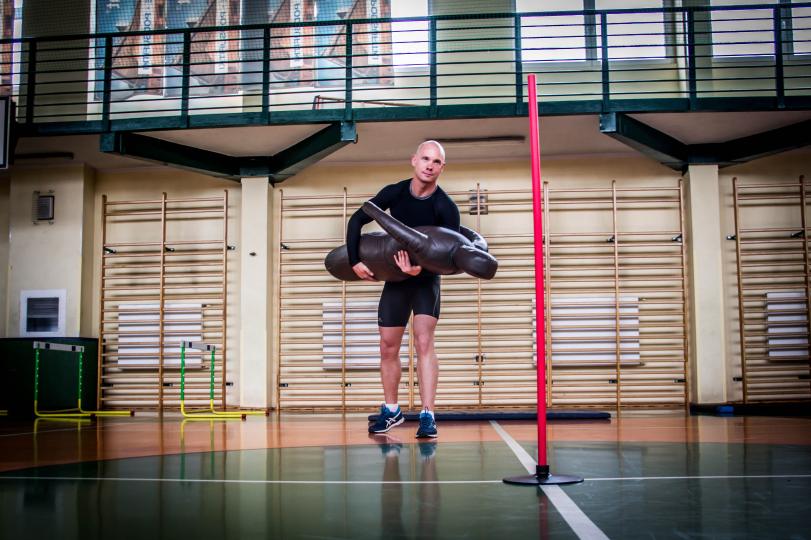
256,306
708,374
88,326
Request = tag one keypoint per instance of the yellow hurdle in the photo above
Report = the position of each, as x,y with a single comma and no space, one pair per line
78,422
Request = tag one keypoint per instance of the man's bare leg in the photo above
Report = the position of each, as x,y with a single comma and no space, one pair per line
424,327
390,369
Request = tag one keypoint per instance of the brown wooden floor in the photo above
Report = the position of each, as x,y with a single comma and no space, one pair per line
25,444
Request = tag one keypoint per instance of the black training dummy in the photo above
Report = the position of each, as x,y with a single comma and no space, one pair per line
438,250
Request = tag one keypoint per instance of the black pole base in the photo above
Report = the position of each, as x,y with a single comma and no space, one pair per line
543,478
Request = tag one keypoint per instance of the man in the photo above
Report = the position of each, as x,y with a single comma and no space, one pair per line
416,201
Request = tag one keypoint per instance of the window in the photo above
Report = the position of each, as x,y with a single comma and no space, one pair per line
741,33
634,36
42,313
410,38
800,37
572,37
552,38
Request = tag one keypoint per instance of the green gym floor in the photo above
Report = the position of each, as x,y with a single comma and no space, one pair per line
318,476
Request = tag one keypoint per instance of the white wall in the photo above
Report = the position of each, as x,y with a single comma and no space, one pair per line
46,256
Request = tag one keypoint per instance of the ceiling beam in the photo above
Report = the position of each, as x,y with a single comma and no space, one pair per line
767,143
674,154
647,140
277,168
169,153
314,148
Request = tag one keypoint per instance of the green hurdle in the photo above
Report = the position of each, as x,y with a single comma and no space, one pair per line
183,444
210,413
78,411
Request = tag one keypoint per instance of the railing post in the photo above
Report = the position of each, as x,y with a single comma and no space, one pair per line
432,66
691,59
31,82
590,21
106,96
266,75
519,67
779,81
186,78
348,74
604,56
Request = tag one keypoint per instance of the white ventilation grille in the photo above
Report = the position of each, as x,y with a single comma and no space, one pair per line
361,336
139,343
786,320
42,313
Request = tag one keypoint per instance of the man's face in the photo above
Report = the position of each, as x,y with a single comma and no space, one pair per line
427,163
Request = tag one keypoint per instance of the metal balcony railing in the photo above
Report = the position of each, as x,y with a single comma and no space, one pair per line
669,59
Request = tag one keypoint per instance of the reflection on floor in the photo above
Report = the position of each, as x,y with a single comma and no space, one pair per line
298,476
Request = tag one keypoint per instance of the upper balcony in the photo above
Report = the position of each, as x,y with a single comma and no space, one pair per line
730,58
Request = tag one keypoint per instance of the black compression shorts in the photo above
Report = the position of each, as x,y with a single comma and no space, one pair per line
399,299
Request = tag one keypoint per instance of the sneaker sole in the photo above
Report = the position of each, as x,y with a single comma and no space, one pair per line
397,423
426,436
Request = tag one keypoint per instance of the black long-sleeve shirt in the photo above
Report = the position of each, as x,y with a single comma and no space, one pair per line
436,209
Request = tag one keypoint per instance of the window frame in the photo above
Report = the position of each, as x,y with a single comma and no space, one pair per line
592,43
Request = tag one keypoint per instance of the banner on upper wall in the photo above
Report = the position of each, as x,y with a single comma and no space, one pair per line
315,56
371,42
10,26
153,64
215,60
292,48
223,61
137,61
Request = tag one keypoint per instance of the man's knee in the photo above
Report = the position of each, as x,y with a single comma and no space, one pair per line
390,345
424,342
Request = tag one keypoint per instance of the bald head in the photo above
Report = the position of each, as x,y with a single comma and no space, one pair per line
428,162
432,143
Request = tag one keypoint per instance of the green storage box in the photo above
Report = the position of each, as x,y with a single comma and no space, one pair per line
58,375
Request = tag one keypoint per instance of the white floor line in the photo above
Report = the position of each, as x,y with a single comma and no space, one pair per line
704,477
582,526
238,481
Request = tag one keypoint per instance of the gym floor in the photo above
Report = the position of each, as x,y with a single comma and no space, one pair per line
647,475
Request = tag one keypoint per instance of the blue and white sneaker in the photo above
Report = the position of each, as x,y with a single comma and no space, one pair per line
390,445
427,427
427,449
386,420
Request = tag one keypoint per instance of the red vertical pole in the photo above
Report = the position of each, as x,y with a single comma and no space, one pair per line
542,474
537,221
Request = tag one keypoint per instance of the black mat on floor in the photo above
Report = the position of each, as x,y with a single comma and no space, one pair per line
495,415
752,409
